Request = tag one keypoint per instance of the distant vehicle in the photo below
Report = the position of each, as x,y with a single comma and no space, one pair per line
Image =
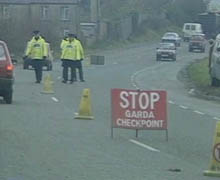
190,29
215,63
210,23
171,37
46,63
6,73
197,42
166,51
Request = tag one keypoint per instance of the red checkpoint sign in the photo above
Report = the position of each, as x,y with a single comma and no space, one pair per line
135,109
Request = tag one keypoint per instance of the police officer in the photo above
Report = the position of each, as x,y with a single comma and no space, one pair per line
36,50
64,40
68,57
79,59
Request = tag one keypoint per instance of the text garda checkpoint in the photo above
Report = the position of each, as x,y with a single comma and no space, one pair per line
139,109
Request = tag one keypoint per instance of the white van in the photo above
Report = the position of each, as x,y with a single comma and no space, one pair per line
190,29
214,68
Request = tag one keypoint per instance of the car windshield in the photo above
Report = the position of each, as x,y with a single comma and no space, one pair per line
197,37
168,40
2,53
167,46
170,35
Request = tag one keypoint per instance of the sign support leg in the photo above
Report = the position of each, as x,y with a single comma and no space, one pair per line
167,135
136,133
112,133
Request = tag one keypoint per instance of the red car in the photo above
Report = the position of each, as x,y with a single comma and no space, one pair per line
6,73
197,42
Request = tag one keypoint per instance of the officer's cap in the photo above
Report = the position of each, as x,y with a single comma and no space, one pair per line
71,35
36,32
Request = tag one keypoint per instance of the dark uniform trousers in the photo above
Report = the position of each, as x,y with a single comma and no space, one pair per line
66,63
78,65
38,66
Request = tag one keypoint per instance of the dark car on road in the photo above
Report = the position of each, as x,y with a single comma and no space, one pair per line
6,73
166,51
171,37
29,63
197,42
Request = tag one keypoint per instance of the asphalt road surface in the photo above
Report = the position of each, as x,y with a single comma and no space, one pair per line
41,140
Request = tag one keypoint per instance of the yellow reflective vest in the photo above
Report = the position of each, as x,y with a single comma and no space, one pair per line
63,42
36,49
69,50
62,46
80,51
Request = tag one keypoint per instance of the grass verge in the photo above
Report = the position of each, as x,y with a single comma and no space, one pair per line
199,75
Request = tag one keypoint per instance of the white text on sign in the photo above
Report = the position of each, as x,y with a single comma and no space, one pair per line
142,100
132,123
135,109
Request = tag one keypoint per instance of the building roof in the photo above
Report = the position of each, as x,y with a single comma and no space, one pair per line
39,1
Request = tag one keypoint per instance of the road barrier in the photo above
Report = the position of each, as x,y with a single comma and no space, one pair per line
48,85
214,167
85,110
97,60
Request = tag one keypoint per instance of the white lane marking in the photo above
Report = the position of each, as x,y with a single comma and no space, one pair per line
133,78
183,107
171,102
198,112
144,145
216,118
55,99
151,68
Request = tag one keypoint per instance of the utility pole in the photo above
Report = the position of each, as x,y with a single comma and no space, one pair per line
96,15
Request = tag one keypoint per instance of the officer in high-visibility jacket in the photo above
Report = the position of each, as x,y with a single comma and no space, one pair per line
64,40
36,50
79,59
68,56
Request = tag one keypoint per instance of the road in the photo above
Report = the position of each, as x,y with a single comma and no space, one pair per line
41,140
